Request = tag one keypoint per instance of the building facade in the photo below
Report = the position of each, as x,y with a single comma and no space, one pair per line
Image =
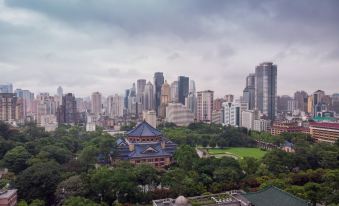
183,88
158,82
96,103
205,106
324,132
179,114
144,145
266,89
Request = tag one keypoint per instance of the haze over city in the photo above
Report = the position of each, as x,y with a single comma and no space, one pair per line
105,46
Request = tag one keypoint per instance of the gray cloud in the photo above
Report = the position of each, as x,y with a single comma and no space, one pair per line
106,45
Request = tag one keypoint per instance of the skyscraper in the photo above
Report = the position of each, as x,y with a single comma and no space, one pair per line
67,112
205,106
301,100
183,88
27,100
115,106
127,91
149,99
96,103
141,83
266,89
249,91
158,82
8,103
132,101
174,92
60,91
165,98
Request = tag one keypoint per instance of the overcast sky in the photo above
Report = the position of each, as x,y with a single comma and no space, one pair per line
105,45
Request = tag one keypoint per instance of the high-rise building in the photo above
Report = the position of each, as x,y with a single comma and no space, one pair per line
174,92
67,112
291,105
301,100
266,89
132,101
248,117
165,99
27,100
6,88
150,117
115,106
229,97
192,88
96,103
205,106
158,82
60,91
8,102
233,111
141,83
318,101
282,103
217,104
183,88
149,100
127,91
191,103
249,91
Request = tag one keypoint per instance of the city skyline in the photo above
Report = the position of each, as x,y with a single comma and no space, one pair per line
88,47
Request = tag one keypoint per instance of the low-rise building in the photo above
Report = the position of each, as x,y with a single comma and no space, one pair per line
8,197
144,145
285,127
324,132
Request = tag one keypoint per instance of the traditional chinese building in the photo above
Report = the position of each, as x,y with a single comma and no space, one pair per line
145,144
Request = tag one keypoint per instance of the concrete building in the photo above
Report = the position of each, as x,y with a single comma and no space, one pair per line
232,114
8,102
229,98
205,106
249,91
174,92
301,100
183,88
324,132
115,106
96,103
150,117
280,127
27,98
179,114
91,122
8,197
141,83
132,101
165,99
191,103
266,89
49,122
291,105
261,125
67,112
149,100
158,82
218,116
248,117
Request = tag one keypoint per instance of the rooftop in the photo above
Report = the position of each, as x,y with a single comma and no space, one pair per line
325,125
144,130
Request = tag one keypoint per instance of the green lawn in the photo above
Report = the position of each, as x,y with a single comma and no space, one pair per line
239,152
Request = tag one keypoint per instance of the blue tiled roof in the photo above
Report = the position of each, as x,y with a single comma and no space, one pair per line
148,150
144,130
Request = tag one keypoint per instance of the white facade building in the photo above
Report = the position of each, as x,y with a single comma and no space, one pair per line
261,125
150,117
248,117
179,114
205,106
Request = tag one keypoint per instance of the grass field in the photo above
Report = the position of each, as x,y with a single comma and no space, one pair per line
238,152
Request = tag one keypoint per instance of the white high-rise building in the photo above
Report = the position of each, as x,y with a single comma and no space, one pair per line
150,117
205,106
231,113
96,103
115,106
149,100
261,125
179,114
248,117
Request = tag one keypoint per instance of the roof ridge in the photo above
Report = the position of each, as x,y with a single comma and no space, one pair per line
290,194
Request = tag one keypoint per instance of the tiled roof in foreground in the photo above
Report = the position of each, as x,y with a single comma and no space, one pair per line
273,196
144,130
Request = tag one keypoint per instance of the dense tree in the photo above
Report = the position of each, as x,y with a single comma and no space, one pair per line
77,201
16,159
41,179
73,186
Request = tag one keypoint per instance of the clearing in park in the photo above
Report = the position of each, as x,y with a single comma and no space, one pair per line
237,152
